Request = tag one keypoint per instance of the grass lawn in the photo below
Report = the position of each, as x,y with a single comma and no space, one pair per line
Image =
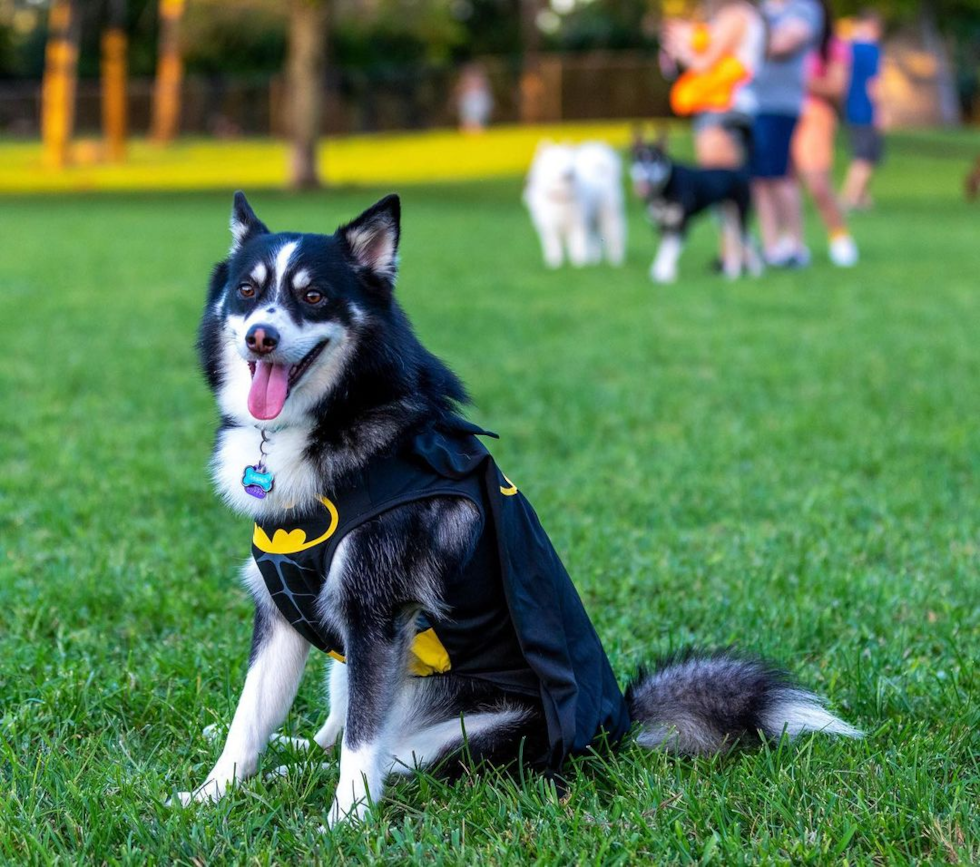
790,464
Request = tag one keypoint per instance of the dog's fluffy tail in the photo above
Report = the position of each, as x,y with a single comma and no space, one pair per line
698,703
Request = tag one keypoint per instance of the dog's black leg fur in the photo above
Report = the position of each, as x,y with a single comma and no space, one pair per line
392,567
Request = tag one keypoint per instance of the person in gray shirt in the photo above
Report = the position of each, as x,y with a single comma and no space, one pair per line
779,87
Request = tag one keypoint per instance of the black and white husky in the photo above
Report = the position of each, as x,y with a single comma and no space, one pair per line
674,194
323,388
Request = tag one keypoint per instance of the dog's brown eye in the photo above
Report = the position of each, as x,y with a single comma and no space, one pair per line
313,297
246,290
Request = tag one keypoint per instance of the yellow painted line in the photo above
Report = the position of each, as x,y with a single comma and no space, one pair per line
192,164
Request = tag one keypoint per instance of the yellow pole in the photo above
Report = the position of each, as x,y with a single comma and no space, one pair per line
58,85
532,86
114,119
170,73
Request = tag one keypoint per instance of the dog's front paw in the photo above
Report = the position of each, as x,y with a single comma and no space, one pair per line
347,812
181,799
211,791
663,275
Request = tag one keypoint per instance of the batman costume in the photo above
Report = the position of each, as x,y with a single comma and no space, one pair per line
512,615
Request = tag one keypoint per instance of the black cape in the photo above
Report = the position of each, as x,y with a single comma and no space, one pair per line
513,616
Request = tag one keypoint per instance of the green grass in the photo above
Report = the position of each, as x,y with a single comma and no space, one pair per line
790,464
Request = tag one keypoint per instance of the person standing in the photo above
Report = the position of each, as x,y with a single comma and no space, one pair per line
779,88
862,111
827,69
474,99
721,58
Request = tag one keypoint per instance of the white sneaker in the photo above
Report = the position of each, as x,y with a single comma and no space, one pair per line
779,254
792,259
843,251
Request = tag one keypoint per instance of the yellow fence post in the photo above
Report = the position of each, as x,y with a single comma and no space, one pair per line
58,85
114,108
170,73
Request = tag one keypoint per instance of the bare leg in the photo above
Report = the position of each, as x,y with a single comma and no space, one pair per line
731,246
751,258
841,247
765,206
789,207
855,193
716,148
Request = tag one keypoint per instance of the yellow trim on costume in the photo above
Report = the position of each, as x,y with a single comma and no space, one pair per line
508,492
294,541
429,656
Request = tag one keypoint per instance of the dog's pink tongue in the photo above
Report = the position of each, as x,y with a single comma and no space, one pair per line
270,386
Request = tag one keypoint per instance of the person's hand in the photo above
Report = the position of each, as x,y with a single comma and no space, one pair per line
675,37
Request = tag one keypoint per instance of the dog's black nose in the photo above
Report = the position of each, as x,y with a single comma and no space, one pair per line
262,339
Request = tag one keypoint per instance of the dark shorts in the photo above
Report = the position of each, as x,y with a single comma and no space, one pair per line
772,135
866,143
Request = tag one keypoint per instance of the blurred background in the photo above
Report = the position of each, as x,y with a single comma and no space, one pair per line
790,463
90,75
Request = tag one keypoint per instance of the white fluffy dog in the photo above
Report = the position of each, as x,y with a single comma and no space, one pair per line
575,196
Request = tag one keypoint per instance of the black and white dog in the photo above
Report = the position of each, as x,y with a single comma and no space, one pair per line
386,536
675,193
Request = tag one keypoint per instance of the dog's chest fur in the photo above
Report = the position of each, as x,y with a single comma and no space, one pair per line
666,214
296,482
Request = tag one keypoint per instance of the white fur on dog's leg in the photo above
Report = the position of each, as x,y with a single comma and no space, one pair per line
361,781
328,734
301,744
612,224
270,687
551,246
664,268
578,242
281,771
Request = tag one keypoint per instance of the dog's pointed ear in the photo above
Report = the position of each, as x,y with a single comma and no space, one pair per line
244,224
372,242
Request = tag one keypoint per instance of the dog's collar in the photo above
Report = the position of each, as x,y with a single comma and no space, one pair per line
265,429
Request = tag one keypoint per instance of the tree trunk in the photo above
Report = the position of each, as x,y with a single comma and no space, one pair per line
532,81
58,86
304,74
114,114
170,74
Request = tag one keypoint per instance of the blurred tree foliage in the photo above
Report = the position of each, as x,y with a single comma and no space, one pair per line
248,37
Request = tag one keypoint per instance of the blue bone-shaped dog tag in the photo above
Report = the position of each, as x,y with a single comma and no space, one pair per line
257,481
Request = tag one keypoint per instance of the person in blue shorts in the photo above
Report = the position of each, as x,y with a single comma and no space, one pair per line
861,111
779,87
